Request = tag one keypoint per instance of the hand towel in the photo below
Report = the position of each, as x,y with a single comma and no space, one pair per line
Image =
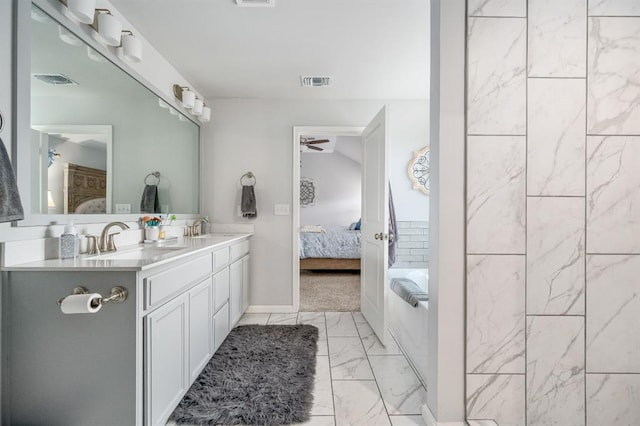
149,202
10,205
248,202
408,290
393,234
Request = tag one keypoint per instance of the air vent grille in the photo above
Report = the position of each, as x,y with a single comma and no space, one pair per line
55,79
310,81
256,3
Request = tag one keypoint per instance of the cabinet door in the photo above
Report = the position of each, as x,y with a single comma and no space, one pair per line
235,298
200,310
220,326
245,283
220,289
165,359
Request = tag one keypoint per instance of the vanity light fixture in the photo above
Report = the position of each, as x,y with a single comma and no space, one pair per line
82,11
206,114
197,107
131,46
184,95
108,27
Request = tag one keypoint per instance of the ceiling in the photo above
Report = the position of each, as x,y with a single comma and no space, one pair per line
374,49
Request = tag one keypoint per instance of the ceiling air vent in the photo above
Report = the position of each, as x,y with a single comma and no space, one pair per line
256,3
56,79
308,81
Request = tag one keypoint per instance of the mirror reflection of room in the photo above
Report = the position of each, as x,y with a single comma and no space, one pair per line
74,85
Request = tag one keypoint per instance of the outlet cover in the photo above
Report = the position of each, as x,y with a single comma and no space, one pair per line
123,208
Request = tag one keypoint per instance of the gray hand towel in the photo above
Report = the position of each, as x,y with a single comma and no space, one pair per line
248,202
10,205
408,290
393,234
149,202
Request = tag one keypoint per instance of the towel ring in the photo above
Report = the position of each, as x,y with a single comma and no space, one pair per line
250,176
152,174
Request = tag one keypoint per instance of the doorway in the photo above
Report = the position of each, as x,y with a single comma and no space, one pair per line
326,212
373,222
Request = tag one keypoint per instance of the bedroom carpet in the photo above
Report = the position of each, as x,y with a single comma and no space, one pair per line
335,291
261,375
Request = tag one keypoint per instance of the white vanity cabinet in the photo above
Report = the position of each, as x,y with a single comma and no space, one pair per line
130,363
188,328
239,281
166,358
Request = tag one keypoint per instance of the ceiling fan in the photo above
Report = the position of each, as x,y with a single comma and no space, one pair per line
310,142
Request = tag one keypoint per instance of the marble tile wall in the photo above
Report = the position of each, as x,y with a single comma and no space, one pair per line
553,212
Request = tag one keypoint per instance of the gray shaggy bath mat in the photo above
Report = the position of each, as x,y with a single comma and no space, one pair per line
261,375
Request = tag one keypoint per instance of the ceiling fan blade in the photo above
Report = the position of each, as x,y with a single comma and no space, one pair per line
315,148
318,141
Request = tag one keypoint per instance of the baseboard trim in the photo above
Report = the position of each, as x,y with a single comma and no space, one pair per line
271,309
430,419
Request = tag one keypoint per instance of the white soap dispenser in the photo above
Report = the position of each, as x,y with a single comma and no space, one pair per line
69,245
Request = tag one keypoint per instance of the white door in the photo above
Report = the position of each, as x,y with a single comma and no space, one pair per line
375,224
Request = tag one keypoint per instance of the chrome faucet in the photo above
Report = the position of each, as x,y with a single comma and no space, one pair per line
196,227
106,239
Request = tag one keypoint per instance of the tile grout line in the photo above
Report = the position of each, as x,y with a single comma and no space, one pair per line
384,404
326,336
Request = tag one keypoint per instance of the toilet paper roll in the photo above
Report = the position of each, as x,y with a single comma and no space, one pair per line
81,304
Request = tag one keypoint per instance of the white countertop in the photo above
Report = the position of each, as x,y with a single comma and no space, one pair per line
182,247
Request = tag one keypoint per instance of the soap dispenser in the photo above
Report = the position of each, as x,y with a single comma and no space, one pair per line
69,245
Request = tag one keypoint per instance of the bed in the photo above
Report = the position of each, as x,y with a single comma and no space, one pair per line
331,248
85,189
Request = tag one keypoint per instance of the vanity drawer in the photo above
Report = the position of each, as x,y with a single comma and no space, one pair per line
161,286
220,258
240,249
220,289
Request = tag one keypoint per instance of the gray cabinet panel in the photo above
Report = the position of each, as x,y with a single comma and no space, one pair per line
166,359
200,310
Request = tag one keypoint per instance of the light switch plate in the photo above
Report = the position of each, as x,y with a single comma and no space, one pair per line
123,208
281,209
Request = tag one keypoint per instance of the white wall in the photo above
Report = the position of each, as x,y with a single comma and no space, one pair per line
256,135
338,183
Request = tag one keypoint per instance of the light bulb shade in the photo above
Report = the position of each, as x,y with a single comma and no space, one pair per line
197,107
206,114
81,10
173,111
131,48
109,29
163,104
68,37
188,98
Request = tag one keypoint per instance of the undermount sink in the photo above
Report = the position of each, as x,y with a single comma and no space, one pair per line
138,253
220,237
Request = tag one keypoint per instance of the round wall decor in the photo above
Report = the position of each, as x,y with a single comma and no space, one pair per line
418,170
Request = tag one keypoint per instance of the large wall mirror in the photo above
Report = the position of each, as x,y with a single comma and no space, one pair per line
98,134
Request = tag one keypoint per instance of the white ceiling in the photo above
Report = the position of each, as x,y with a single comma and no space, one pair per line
374,49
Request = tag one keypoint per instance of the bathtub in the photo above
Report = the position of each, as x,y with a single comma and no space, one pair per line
408,324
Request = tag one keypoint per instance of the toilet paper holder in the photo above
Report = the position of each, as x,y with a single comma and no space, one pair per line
118,295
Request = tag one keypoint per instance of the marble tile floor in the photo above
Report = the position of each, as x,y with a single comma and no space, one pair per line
358,381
